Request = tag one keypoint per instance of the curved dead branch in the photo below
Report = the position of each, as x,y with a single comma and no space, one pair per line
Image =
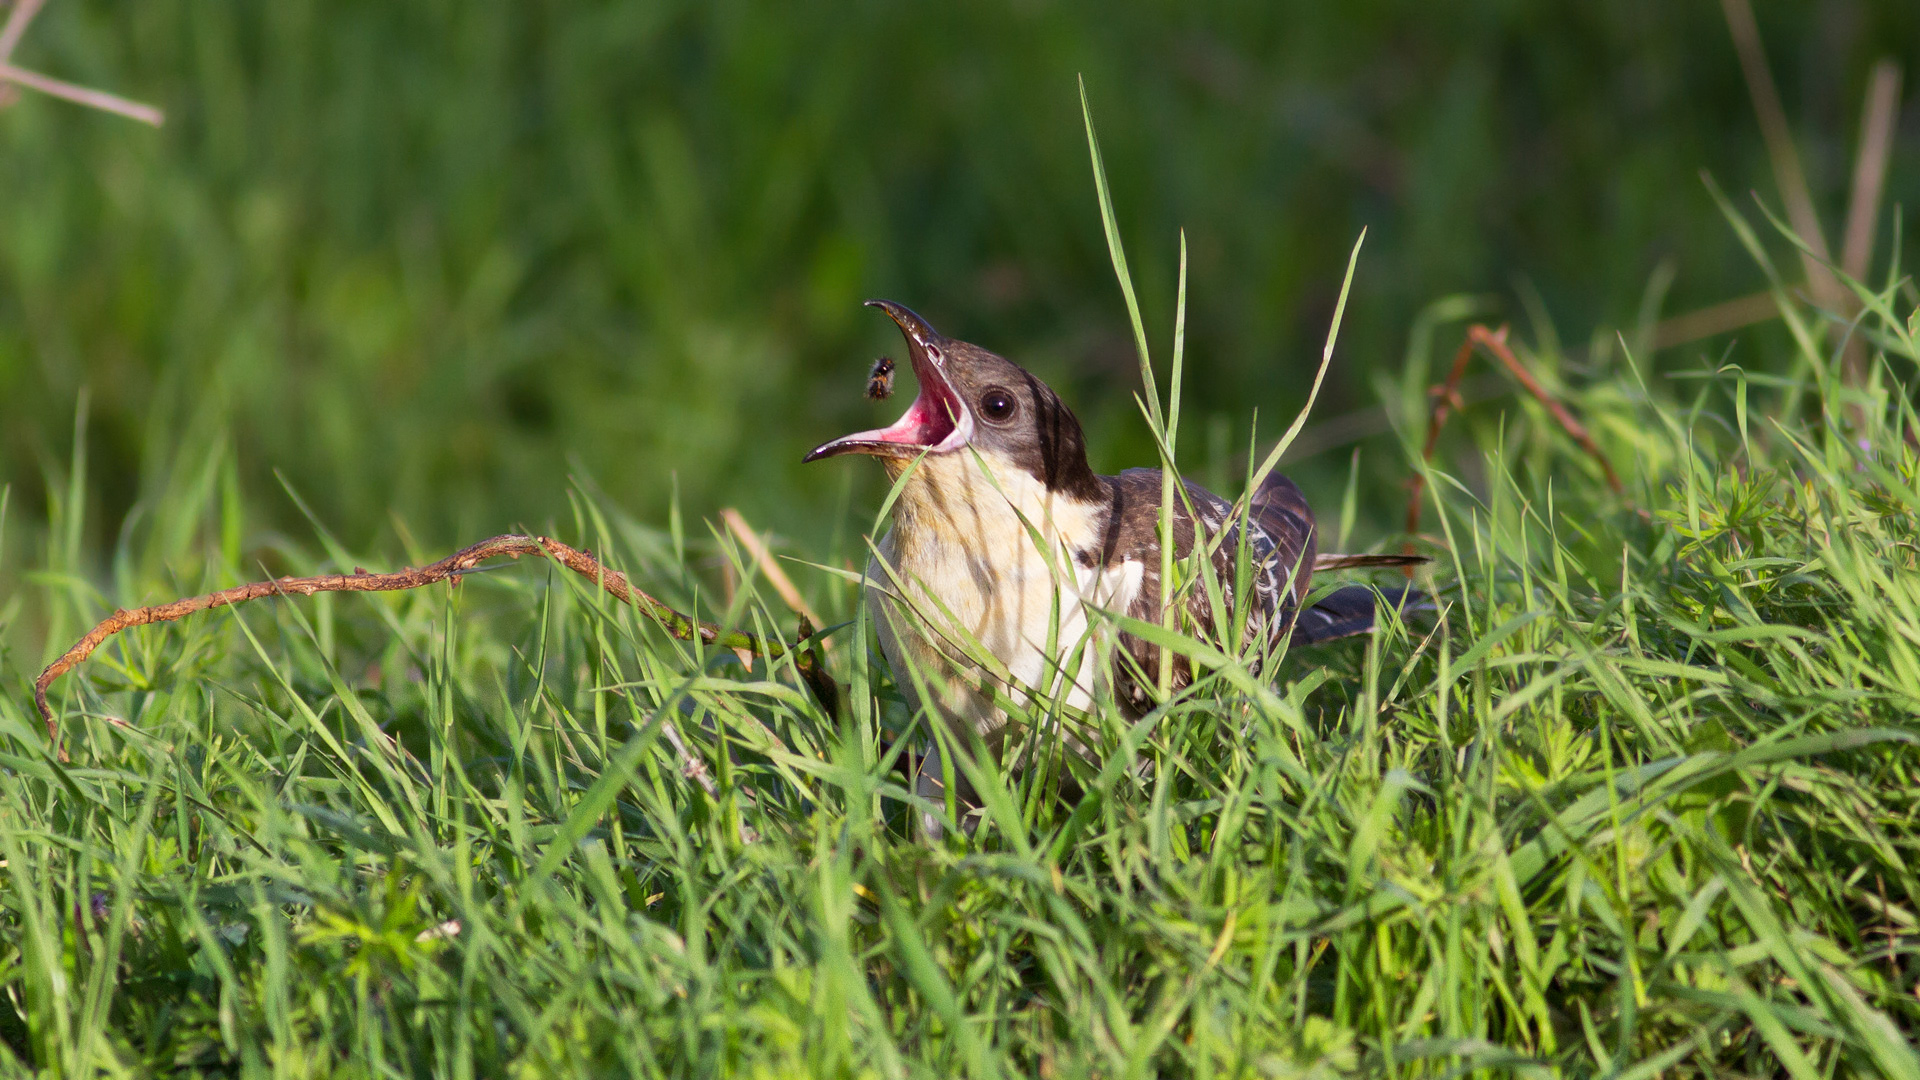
1446,401
686,628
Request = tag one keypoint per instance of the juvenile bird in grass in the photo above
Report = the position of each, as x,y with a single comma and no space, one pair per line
1003,538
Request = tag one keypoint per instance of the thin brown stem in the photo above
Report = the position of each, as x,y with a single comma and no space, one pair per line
1879,119
694,768
815,669
1672,331
10,77
1446,401
17,20
686,628
1497,345
80,95
769,569
1715,319
1788,176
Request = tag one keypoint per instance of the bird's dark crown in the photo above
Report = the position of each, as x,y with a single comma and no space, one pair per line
972,398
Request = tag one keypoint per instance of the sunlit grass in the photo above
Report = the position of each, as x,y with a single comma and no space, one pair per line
1640,800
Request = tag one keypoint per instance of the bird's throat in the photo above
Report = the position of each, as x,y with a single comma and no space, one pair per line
994,509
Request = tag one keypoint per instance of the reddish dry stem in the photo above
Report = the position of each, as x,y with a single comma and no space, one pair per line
1446,399
1497,345
450,568
10,76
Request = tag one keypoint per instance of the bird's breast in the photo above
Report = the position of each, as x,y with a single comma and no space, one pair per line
978,586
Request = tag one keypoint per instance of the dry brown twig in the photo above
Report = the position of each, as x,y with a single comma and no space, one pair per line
806,655
1446,401
11,76
1496,343
1674,330
1878,121
1788,176
1877,126
769,569
695,769
16,27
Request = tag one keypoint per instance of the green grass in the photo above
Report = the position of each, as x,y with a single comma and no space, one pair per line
398,276
427,260
1641,801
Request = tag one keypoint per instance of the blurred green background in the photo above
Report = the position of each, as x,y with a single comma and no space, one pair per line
427,260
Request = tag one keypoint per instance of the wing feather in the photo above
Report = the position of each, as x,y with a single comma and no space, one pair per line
1280,547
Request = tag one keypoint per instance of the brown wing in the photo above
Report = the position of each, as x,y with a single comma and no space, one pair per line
1280,551
1279,510
1133,532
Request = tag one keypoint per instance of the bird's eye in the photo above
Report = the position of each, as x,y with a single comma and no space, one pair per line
997,405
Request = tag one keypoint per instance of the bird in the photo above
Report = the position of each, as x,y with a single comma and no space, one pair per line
1004,542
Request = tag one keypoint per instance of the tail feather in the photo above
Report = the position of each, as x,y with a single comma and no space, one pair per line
1329,561
1351,610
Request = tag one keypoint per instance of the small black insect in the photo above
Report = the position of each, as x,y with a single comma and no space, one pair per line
880,381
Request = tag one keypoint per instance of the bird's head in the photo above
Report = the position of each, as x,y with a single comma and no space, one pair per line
971,398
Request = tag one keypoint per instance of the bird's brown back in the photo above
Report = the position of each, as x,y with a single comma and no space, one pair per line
1280,549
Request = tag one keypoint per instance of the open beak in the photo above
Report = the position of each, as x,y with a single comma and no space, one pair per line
936,422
